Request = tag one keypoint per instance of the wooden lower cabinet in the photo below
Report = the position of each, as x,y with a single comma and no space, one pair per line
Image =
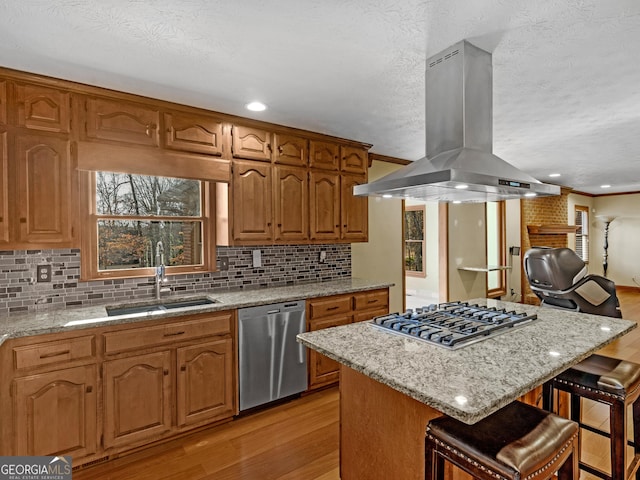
322,369
205,387
333,311
55,413
137,399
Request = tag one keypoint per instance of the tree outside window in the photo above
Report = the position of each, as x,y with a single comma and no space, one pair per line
414,243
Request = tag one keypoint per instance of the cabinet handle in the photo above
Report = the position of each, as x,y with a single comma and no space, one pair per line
269,224
279,225
23,220
150,127
89,389
166,372
174,334
372,301
1,219
333,308
55,354
269,147
183,368
280,149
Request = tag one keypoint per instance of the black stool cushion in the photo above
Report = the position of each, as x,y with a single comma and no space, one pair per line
604,373
514,441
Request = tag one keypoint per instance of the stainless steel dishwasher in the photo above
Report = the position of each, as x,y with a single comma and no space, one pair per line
272,364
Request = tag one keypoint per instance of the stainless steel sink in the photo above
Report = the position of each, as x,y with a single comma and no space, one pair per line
157,307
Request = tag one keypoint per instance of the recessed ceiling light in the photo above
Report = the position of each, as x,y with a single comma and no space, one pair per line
387,195
462,186
605,186
457,201
530,194
256,106
554,174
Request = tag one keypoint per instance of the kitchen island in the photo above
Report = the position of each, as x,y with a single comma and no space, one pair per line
391,386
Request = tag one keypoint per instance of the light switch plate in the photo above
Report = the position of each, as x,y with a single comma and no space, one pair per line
257,258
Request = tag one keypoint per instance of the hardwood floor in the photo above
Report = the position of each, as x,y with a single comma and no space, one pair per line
298,440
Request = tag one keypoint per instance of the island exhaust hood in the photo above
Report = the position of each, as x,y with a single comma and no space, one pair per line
460,165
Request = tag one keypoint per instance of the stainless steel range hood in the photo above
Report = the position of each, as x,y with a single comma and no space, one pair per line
460,165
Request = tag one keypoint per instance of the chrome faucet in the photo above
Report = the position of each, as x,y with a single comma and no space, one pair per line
161,278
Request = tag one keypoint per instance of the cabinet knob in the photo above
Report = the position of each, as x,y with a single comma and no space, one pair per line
89,389
166,372
183,368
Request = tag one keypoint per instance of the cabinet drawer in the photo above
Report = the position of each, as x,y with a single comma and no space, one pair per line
373,299
370,314
327,306
58,351
136,338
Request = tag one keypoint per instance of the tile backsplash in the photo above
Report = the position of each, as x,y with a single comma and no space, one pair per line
281,265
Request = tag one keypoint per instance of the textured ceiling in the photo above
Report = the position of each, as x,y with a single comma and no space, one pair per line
566,72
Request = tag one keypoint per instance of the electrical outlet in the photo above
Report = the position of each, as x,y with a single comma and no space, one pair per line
323,256
43,273
224,263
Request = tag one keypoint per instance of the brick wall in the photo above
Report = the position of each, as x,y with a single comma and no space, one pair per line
542,211
281,266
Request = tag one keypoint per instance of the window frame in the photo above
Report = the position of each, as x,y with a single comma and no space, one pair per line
585,212
501,289
413,273
89,235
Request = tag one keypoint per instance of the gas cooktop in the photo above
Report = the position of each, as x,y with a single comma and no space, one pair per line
452,325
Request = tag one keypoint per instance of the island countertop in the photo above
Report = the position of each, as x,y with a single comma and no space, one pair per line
472,382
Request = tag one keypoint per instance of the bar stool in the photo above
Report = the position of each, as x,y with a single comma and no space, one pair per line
615,383
518,442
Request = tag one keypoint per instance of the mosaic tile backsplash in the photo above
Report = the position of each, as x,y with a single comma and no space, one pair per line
281,265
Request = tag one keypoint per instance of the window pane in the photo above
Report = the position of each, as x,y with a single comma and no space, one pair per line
413,256
414,225
132,244
142,195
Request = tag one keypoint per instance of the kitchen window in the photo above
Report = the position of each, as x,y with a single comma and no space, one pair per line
414,245
582,233
128,214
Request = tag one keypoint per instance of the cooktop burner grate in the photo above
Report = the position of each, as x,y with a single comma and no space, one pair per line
452,325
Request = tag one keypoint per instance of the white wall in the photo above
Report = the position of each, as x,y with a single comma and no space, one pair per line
427,287
380,259
624,238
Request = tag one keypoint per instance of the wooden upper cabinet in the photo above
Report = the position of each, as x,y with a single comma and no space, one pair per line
3,101
121,121
291,203
353,159
324,205
251,193
354,211
43,189
4,189
291,150
56,413
42,108
324,155
251,143
193,133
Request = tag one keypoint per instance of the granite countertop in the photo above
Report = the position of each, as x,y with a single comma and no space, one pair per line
472,382
96,316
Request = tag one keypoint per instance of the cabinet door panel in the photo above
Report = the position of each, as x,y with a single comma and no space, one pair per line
3,101
4,188
324,205
354,160
205,382
193,133
324,155
55,413
137,398
42,108
291,150
291,204
44,189
323,370
354,210
121,121
251,143
252,201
